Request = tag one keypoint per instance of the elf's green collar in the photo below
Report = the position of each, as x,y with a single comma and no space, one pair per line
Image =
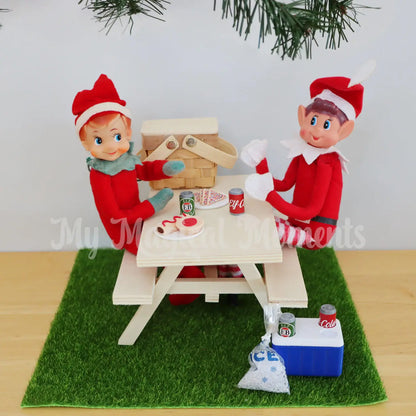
126,161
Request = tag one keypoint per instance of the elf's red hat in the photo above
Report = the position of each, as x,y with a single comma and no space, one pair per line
103,98
348,98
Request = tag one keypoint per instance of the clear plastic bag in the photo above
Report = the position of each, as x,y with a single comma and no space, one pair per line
267,369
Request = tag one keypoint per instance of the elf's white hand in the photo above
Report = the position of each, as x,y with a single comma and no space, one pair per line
254,152
259,186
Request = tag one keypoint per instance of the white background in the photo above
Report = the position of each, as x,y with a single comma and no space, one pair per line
195,65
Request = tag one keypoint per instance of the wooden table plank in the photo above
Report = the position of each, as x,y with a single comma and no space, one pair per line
227,239
284,281
134,286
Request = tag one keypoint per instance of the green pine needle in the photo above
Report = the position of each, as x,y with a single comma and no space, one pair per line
111,11
295,26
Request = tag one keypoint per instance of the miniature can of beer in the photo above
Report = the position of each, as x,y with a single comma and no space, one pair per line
187,202
236,201
327,316
287,325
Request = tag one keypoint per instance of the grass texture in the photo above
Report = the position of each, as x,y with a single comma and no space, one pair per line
190,355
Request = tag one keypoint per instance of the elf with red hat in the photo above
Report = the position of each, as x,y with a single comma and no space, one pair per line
316,167
104,126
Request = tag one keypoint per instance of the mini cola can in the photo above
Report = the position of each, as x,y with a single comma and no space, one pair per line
236,201
187,202
287,325
327,316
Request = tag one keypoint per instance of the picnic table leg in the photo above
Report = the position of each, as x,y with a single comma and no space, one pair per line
145,312
255,281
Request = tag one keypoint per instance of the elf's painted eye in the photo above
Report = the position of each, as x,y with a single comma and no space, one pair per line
117,138
314,121
327,125
98,141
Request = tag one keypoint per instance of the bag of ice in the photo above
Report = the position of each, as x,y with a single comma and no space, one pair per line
267,369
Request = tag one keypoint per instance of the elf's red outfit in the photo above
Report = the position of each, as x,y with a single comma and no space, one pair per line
118,203
315,171
316,196
117,200
115,171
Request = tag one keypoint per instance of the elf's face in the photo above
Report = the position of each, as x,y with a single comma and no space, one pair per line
321,130
107,140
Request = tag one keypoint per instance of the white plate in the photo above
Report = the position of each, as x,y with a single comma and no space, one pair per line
177,236
218,204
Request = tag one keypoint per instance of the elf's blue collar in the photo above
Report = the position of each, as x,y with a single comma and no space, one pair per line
127,161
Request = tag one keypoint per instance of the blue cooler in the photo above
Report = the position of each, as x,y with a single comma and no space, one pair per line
313,350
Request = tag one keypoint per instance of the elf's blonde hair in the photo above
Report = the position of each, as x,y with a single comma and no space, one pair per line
103,119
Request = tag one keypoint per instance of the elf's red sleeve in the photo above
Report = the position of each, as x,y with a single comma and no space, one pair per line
317,196
290,177
151,171
109,204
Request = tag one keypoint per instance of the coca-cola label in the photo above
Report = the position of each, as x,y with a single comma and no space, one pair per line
236,204
326,323
236,198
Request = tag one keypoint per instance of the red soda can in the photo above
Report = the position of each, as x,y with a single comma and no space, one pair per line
327,316
236,201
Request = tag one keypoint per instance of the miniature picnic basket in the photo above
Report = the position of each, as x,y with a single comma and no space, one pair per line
195,141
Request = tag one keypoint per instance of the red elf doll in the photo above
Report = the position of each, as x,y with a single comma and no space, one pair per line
316,167
104,126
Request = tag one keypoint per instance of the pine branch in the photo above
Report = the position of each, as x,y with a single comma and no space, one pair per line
111,11
295,25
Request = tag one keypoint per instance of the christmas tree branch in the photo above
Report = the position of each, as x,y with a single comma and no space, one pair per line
295,25
111,11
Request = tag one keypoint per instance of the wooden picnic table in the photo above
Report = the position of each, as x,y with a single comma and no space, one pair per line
246,240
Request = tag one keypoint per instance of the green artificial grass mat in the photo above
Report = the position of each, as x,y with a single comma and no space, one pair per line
190,355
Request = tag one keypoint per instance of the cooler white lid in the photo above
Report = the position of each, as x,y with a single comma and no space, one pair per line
310,334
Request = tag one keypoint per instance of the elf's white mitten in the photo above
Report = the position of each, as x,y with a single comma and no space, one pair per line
254,152
259,186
